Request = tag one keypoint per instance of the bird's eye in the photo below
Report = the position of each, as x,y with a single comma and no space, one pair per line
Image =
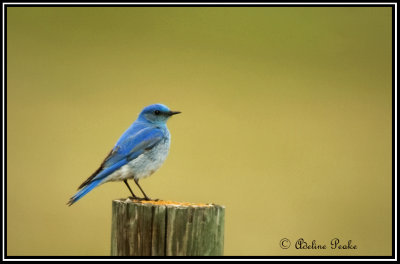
157,112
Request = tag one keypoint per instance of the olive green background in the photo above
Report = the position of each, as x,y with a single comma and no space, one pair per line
287,121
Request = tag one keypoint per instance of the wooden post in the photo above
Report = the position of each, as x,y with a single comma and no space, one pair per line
163,228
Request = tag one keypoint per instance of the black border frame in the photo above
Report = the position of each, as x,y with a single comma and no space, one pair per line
203,4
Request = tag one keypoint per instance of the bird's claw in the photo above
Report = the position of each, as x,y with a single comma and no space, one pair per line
142,199
135,198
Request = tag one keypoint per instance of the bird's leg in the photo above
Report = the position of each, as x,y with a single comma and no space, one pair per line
127,185
145,196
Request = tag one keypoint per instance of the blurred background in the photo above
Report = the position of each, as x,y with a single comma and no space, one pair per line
287,121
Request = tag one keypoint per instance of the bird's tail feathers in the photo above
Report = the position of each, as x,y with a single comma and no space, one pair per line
83,192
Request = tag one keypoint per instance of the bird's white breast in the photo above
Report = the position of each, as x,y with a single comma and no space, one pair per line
144,165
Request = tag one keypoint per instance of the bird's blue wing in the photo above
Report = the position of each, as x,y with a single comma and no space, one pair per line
131,146
128,147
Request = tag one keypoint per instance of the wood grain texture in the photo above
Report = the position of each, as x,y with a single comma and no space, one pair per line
166,229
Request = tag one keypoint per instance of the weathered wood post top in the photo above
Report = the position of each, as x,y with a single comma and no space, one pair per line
165,228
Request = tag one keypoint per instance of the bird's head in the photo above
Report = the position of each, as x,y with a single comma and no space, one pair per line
156,113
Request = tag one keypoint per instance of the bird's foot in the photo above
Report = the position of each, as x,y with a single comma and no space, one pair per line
142,199
135,198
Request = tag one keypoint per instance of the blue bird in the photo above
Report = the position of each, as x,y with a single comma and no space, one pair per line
138,153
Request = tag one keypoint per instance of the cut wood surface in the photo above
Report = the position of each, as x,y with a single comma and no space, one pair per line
165,228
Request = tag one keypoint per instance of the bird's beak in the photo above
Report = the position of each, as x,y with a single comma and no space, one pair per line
171,113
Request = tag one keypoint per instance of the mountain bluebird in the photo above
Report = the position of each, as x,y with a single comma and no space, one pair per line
139,152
